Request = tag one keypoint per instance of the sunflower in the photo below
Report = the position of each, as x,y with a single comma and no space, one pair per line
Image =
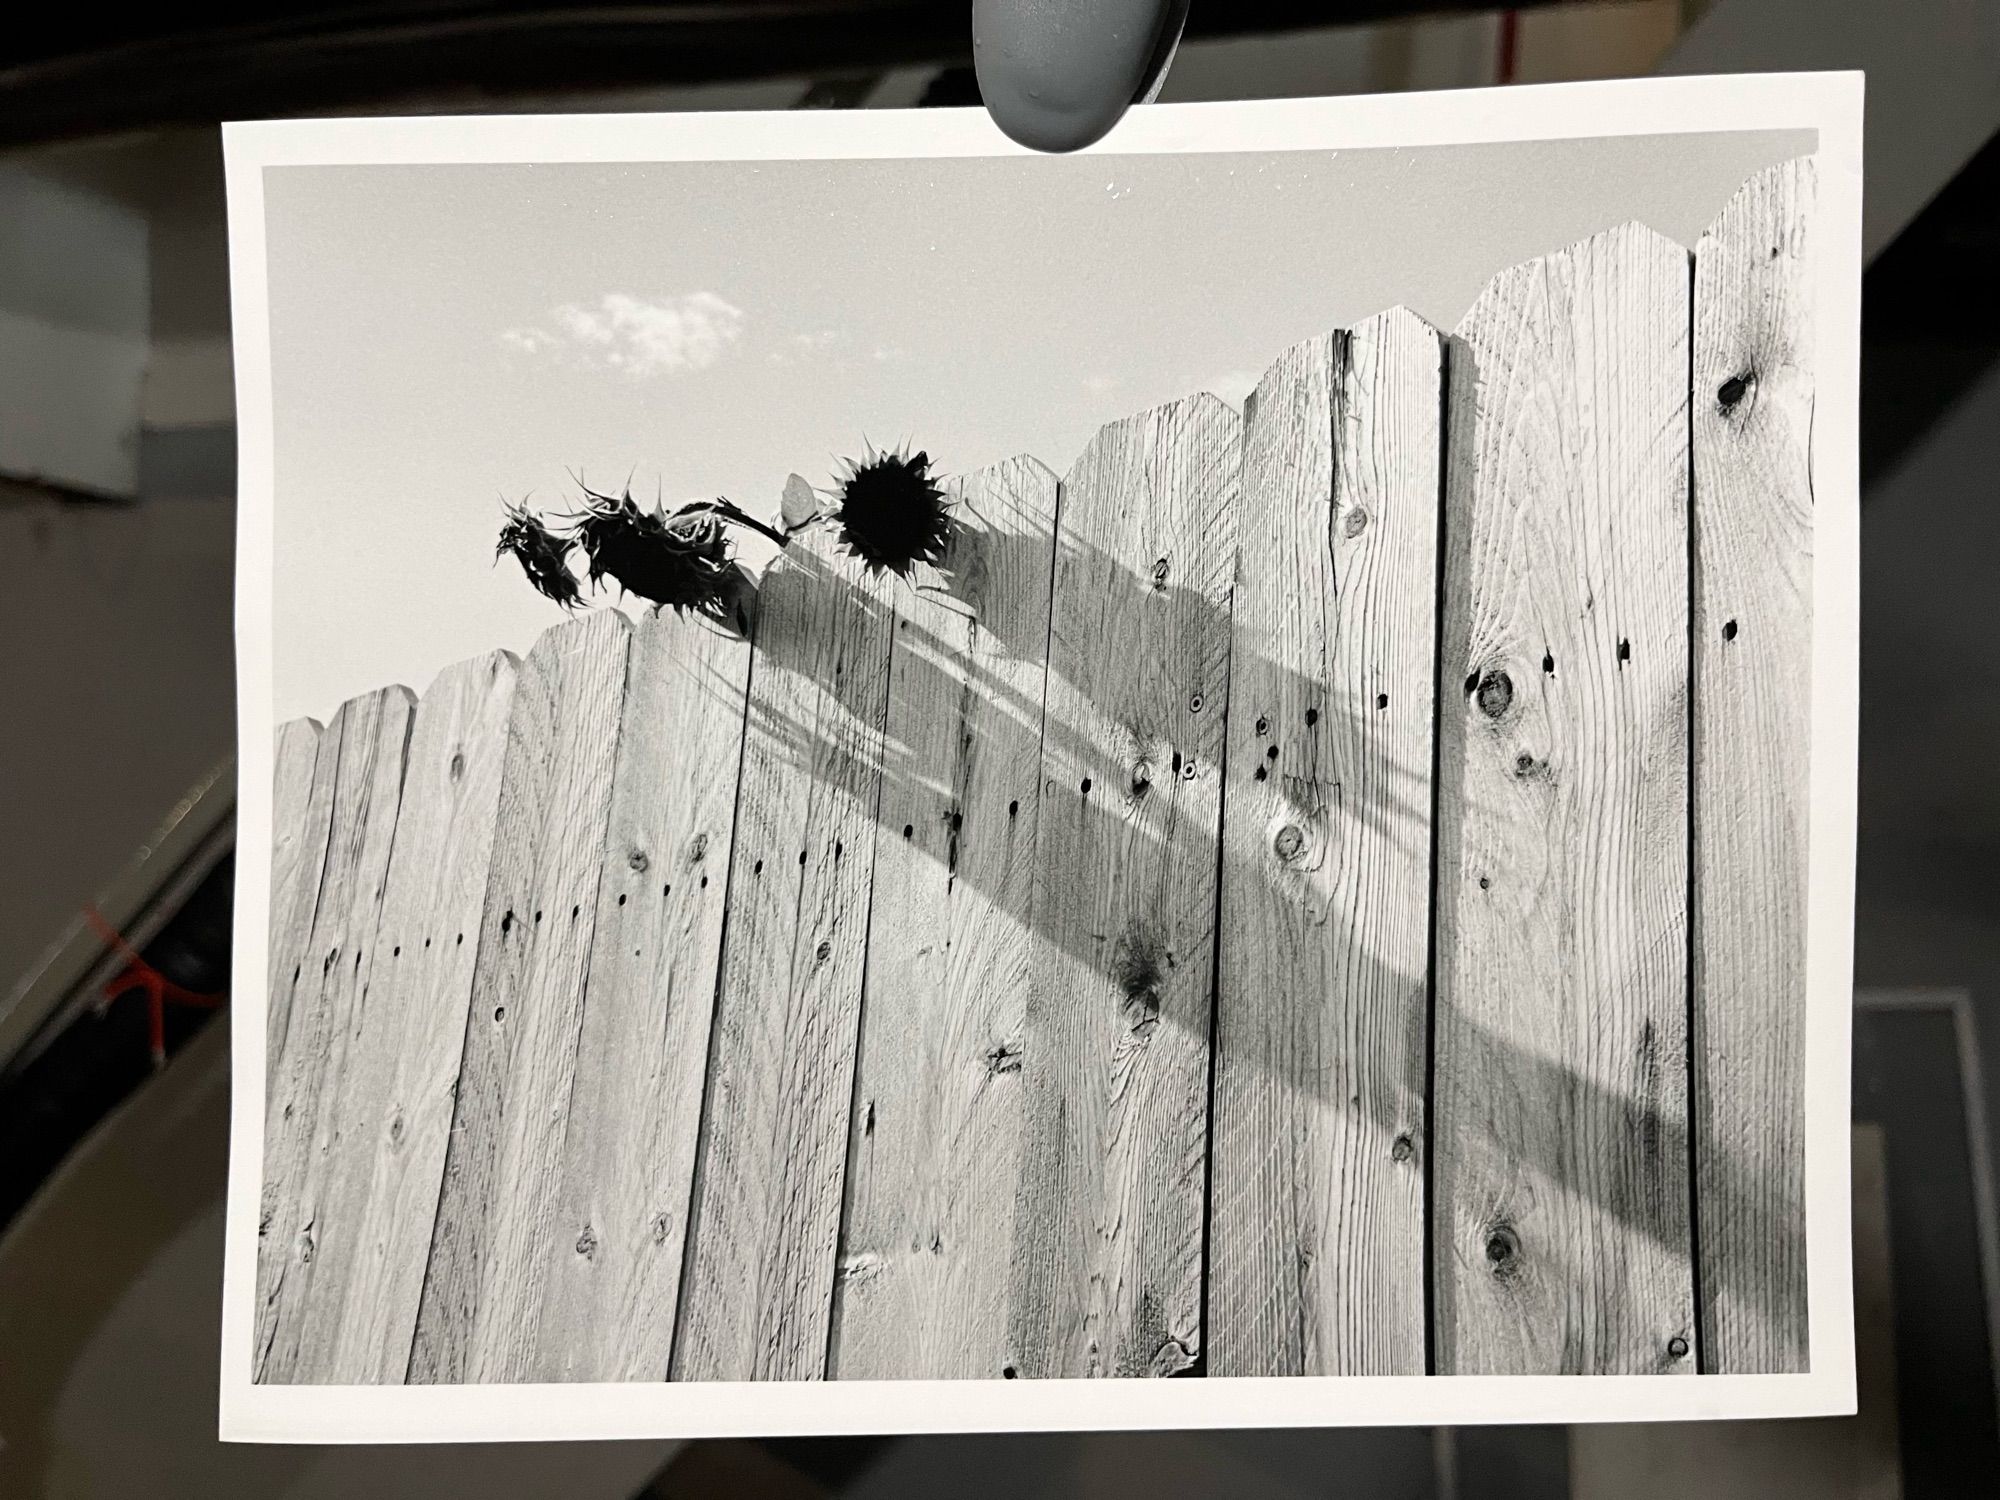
684,561
891,512
543,555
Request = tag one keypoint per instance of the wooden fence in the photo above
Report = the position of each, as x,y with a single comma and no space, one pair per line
1319,892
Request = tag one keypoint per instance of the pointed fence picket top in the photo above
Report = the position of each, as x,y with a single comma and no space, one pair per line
1560,1130
615,1246
1313,892
1752,633
502,1174
765,1226
301,808
1107,1267
362,779
934,1141
1317,1237
406,1045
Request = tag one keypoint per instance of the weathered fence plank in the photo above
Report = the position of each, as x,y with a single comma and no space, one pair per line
1560,1145
1107,1266
1753,519
301,812
1317,1266
307,1075
394,1112
614,1247
479,1313
764,1229
934,1144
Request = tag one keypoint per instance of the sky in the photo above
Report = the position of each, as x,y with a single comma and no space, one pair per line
449,338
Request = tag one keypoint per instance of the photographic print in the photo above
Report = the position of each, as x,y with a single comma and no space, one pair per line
903,785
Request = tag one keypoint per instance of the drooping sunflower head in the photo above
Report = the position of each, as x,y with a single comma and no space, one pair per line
682,561
542,554
891,512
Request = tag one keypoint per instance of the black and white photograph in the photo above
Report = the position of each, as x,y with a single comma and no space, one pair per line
872,758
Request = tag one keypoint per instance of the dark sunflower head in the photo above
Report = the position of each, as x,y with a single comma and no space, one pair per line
543,555
683,562
891,512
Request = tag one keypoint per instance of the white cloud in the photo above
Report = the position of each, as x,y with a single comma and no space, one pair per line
640,336
529,340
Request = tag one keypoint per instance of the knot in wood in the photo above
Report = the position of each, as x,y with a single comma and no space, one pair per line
1160,571
586,1242
1137,969
637,860
1355,522
457,764
1290,841
1494,694
1402,1149
1732,391
1142,778
1503,1249
697,848
1677,1347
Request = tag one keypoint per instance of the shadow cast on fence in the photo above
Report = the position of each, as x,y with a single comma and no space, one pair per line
1139,809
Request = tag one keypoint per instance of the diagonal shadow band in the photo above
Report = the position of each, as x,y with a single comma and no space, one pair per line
1645,1137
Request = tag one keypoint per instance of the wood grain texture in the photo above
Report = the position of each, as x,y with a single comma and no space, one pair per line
307,1073
934,1144
393,1115
757,1299
1560,1142
1317,1235
1752,627
482,1295
301,814
1107,1265
614,1245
